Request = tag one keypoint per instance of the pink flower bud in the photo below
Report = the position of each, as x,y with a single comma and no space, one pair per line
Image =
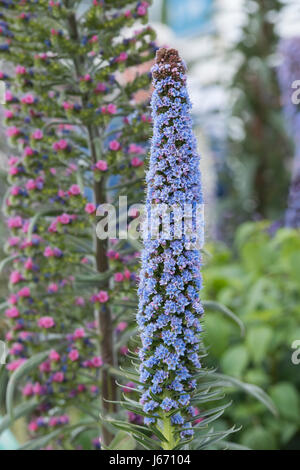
101,165
54,356
102,297
114,145
90,208
46,322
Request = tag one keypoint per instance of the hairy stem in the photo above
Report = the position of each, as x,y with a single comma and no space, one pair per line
168,431
104,317
103,314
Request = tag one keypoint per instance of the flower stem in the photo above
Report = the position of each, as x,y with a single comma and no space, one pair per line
168,431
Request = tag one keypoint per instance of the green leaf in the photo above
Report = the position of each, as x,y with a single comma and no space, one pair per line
4,305
258,438
235,361
258,340
39,443
3,387
139,432
212,437
286,399
35,218
217,307
131,376
232,446
294,263
16,376
135,244
217,339
4,262
122,441
21,410
93,278
256,392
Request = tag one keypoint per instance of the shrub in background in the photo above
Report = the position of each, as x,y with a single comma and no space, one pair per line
259,149
259,280
79,138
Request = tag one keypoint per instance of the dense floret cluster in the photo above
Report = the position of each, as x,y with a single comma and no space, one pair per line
170,309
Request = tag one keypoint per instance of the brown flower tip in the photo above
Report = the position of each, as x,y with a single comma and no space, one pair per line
168,64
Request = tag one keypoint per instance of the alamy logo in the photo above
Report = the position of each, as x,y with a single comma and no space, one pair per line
3,352
296,94
158,221
296,353
2,92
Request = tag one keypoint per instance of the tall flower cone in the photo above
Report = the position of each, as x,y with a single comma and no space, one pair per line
170,280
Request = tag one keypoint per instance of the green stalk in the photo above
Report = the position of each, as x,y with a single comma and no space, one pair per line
168,430
103,314
169,433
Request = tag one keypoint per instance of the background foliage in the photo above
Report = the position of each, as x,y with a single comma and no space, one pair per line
259,280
